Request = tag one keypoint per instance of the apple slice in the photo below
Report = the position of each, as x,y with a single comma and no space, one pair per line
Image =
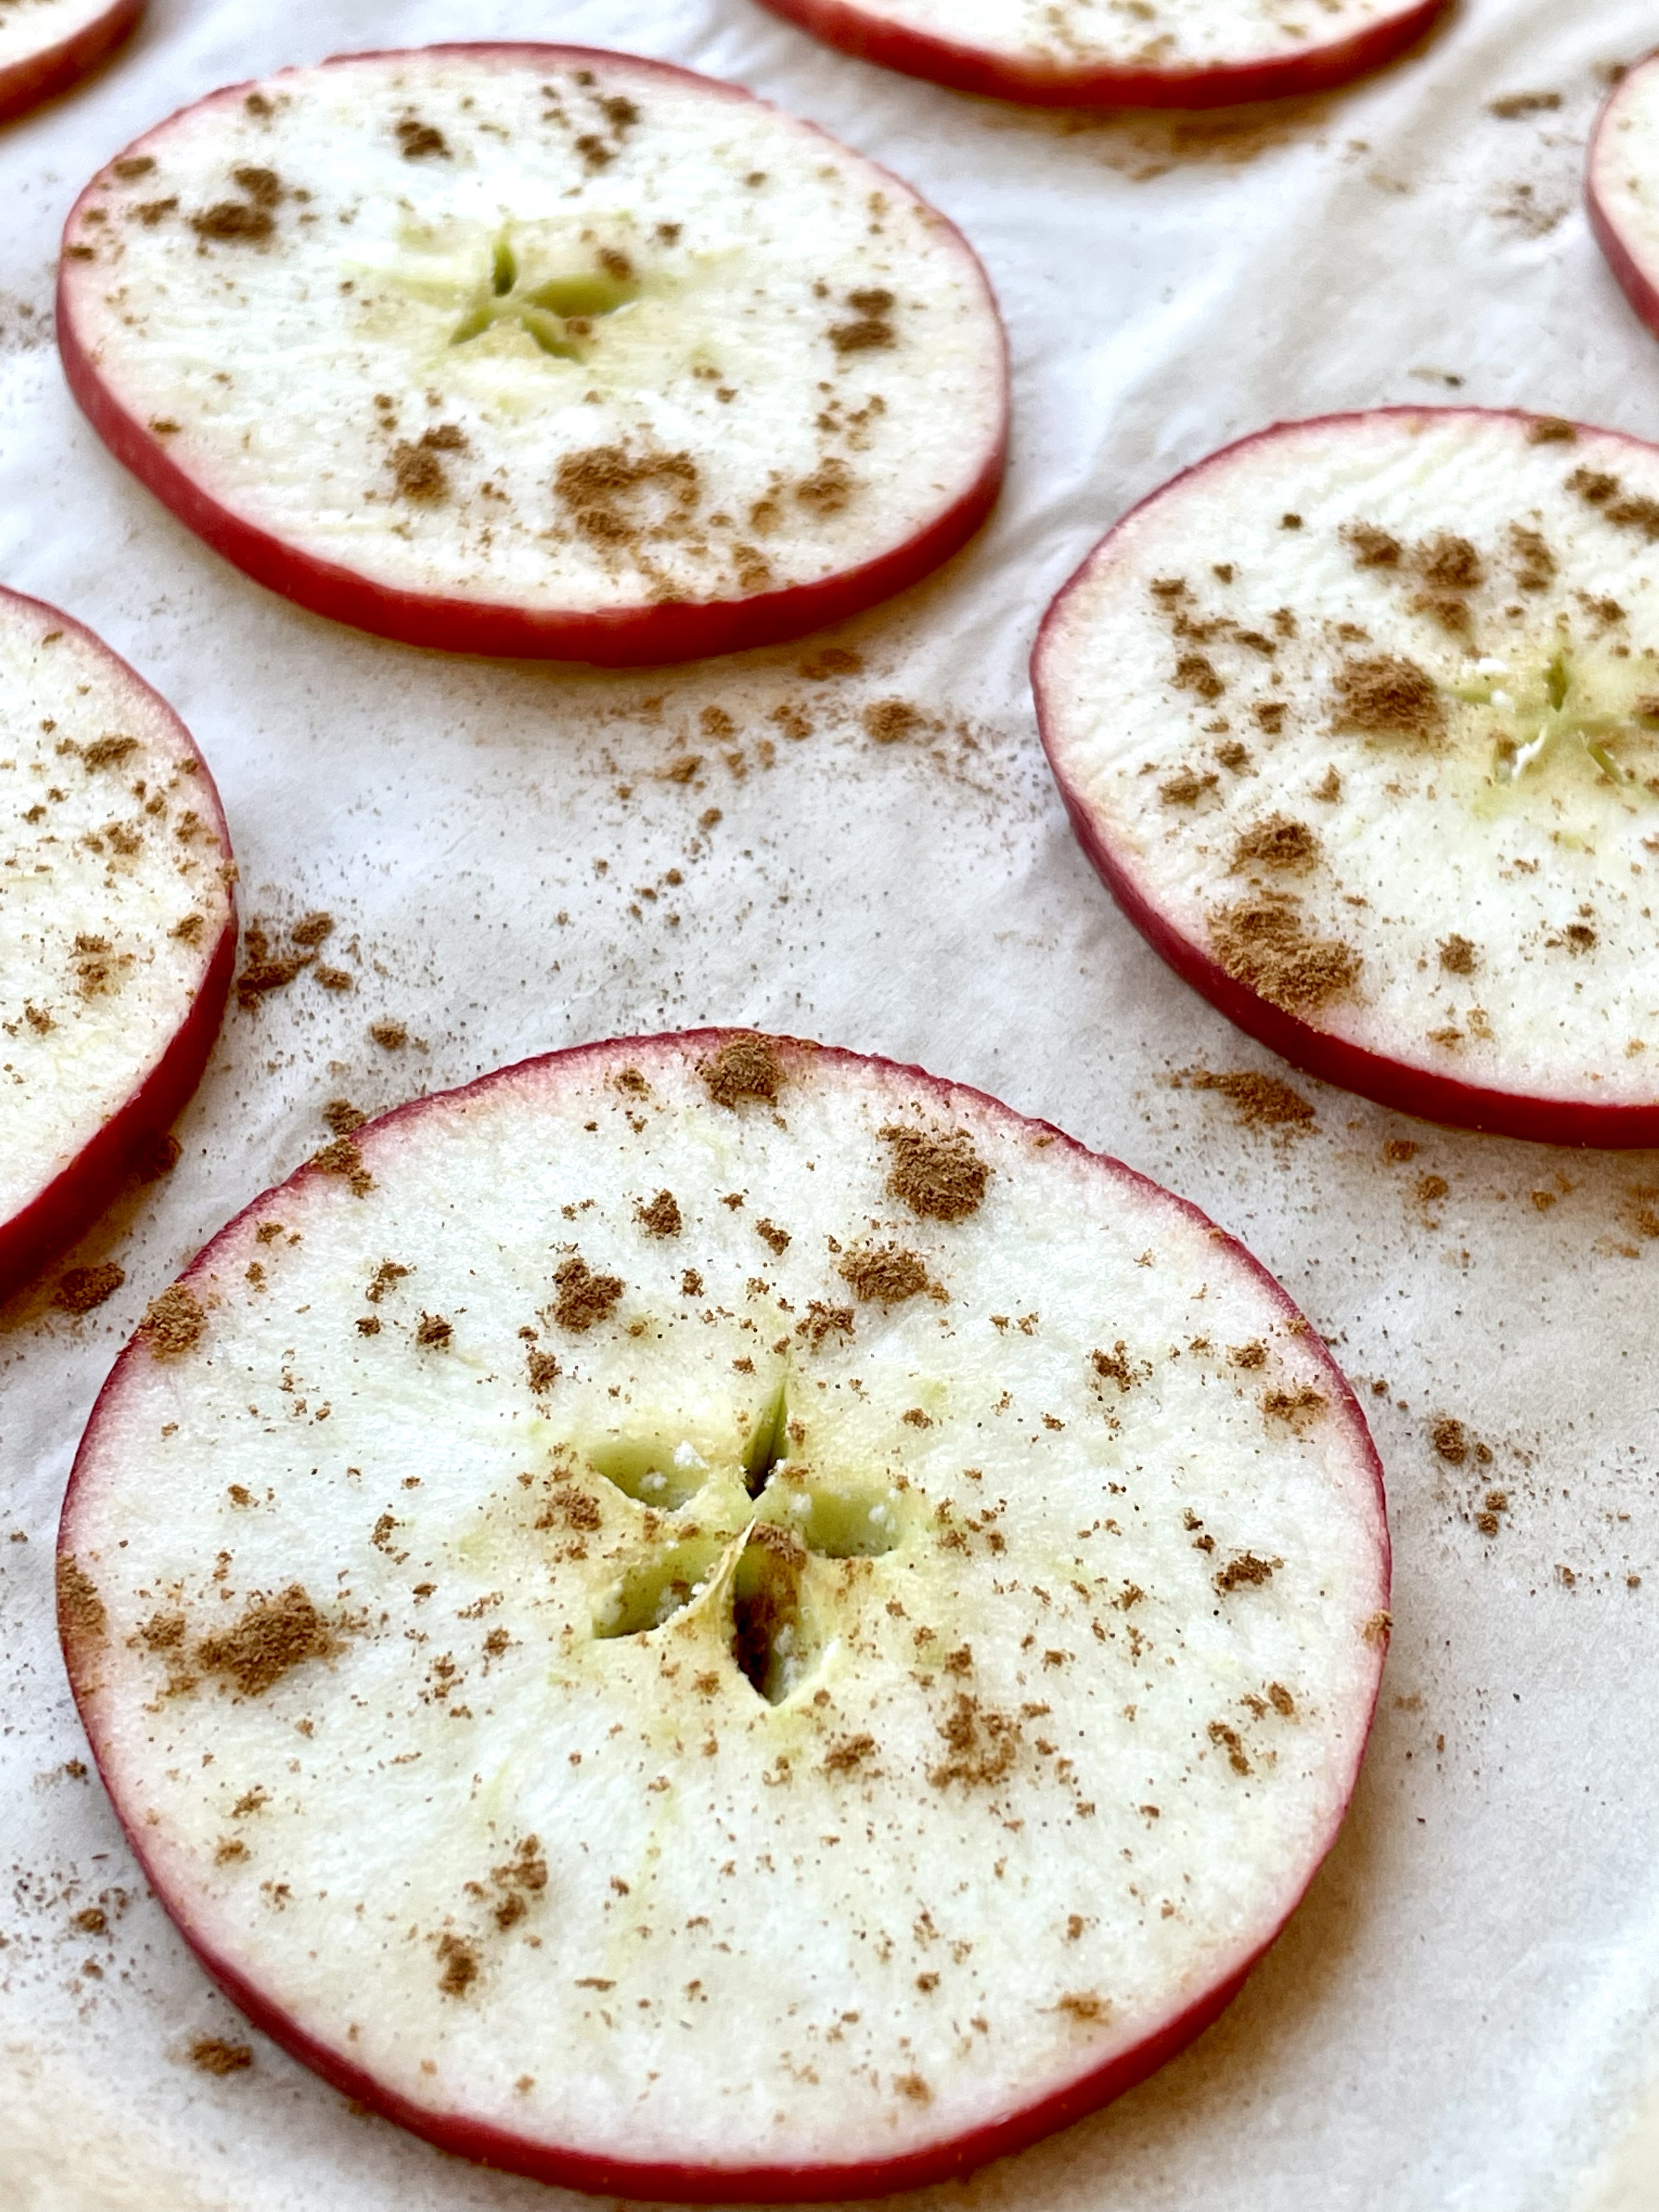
532,350
1359,720
45,46
1185,53
710,1618
1623,186
118,928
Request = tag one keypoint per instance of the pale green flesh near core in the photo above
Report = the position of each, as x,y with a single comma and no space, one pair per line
570,333
1176,34
1442,684
801,1728
110,847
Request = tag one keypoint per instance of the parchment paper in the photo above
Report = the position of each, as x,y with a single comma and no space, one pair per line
1466,2012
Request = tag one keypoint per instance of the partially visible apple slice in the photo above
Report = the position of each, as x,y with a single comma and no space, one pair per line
118,926
532,350
46,45
1623,186
1105,53
710,1618
1359,720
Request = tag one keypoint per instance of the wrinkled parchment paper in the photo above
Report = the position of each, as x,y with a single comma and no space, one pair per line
1465,2013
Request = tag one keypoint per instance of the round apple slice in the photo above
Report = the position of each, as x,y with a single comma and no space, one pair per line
45,46
1185,53
710,1618
536,350
117,930
1623,190
1359,721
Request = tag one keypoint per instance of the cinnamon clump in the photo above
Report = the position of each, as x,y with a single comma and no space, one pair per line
940,1178
80,1610
618,502
584,1297
107,751
1287,847
1371,547
421,142
1244,1571
234,222
981,1747
1264,943
1451,1442
886,1274
849,1754
273,1635
662,1216
823,1320
1296,1408
890,721
214,2055
543,1370
1087,2006
1262,1101
342,1158
1385,696
173,1322
83,1288
745,1068
460,1965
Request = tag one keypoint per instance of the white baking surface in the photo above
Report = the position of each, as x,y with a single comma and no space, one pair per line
1466,2012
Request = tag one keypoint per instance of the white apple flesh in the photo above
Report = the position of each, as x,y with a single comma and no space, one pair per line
46,46
1185,53
711,1618
1359,720
1623,186
117,929
532,349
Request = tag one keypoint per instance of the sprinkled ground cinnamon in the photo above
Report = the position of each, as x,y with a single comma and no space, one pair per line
886,1274
83,1288
584,1297
173,1322
1260,1101
940,1178
273,1635
214,2055
746,1067
1263,943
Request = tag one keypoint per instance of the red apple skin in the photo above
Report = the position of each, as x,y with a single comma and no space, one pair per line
1416,1091
1637,286
27,83
949,2160
630,637
59,1212
969,69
